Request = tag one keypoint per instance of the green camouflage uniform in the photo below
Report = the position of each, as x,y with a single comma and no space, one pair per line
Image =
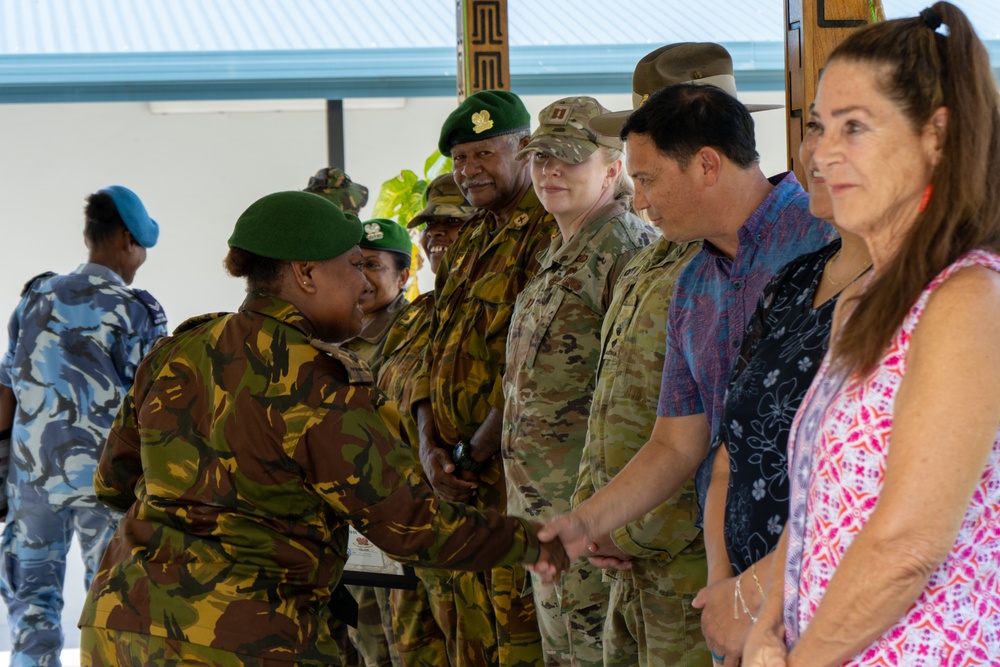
335,185
419,629
373,636
650,618
477,284
368,344
238,548
552,353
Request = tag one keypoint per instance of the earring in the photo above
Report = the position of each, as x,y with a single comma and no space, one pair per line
305,282
927,197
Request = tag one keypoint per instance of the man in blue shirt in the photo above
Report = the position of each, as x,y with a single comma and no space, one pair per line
75,341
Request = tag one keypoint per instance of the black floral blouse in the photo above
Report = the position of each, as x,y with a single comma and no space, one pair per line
783,348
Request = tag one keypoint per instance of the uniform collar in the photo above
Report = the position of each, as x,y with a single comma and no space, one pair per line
278,309
569,252
519,217
99,271
375,330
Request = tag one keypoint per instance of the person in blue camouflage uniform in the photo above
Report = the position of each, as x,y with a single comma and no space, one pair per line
75,341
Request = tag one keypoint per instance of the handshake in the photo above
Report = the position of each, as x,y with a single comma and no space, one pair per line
566,538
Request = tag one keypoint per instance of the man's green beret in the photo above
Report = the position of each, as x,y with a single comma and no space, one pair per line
483,115
295,226
382,234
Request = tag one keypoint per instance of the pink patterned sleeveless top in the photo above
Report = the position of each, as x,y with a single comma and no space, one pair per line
837,451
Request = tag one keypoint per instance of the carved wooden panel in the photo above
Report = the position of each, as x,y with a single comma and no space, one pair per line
483,46
812,29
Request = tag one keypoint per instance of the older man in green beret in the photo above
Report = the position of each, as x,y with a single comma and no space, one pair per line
458,396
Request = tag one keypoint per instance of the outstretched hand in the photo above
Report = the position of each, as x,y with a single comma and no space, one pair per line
552,557
568,529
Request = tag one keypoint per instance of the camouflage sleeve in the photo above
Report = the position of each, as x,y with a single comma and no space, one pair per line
350,459
120,466
13,329
584,481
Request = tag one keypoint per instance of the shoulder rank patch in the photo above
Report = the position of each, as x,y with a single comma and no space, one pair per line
152,305
358,371
40,276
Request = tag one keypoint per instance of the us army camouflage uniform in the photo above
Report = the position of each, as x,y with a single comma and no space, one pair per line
422,633
237,548
373,636
552,353
338,187
74,344
477,283
650,619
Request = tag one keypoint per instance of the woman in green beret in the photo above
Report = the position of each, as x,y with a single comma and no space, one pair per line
243,451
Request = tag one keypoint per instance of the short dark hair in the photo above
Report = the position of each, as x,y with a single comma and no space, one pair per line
101,218
400,261
683,118
263,274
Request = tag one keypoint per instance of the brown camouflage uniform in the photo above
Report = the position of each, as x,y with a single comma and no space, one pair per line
237,548
418,626
552,353
477,284
650,619
373,636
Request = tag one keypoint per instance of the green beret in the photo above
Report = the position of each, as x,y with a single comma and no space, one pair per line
382,234
295,226
483,115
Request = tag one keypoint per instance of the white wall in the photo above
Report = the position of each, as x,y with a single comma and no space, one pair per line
196,172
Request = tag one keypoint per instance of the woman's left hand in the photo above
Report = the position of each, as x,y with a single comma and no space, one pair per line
724,634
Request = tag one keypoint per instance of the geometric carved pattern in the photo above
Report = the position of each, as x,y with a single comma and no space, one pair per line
483,54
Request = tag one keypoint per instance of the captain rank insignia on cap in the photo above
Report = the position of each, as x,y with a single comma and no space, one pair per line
481,122
559,114
373,232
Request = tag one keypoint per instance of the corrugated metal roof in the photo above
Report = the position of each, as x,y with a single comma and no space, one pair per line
79,50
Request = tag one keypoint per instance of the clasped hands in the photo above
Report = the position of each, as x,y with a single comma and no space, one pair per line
570,531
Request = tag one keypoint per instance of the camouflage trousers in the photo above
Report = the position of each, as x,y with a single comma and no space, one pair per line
423,631
34,545
374,637
652,630
571,617
100,647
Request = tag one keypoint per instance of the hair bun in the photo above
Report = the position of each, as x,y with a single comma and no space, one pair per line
931,18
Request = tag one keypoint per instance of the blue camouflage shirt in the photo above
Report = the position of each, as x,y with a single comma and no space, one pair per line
74,343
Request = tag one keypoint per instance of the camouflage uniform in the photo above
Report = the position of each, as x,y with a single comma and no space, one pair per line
369,343
419,629
237,548
373,635
74,344
552,354
477,283
335,185
650,619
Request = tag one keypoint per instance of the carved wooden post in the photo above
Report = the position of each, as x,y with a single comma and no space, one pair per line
483,53
813,28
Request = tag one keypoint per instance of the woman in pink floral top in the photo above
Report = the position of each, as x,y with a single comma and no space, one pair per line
891,553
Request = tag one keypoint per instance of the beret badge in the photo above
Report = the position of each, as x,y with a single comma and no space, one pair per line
373,232
481,122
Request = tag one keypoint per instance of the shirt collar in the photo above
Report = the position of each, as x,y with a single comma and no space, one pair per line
275,308
757,229
99,271
375,330
567,253
519,217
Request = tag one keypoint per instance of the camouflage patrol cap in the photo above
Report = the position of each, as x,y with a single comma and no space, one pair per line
484,115
444,199
295,226
338,187
383,234
563,131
